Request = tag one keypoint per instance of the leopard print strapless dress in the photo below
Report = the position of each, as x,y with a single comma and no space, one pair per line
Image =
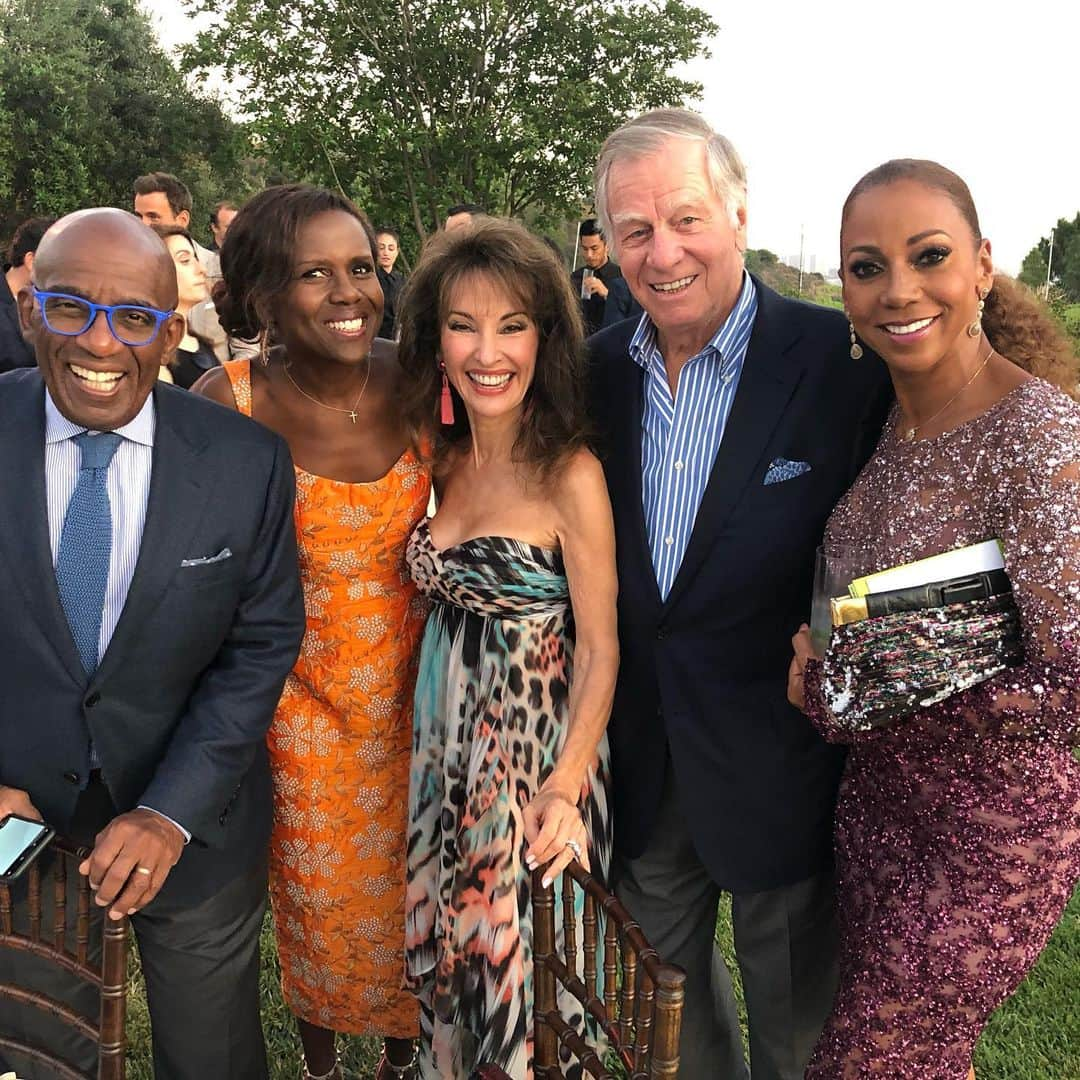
490,718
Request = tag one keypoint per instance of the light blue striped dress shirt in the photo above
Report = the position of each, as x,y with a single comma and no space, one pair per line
128,485
681,435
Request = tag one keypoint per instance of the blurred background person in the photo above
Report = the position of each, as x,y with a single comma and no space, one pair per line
461,215
159,198
221,218
592,280
391,280
194,356
14,350
299,268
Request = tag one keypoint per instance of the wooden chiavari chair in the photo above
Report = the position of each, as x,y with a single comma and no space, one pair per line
639,1008
51,944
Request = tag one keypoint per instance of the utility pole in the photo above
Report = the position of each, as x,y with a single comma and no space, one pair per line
802,246
1049,264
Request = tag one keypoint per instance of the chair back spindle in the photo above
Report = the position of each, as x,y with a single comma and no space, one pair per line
21,931
641,1012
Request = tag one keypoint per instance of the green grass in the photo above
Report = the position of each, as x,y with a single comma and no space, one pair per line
1035,1036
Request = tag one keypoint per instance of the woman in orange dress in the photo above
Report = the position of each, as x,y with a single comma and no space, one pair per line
298,266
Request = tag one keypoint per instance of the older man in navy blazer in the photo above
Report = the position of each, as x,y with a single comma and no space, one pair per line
731,421
152,612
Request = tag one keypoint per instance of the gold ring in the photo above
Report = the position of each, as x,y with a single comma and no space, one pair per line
143,870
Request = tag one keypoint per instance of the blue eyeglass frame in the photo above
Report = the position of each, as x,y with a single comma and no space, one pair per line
41,295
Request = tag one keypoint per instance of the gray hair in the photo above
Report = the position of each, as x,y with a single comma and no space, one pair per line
647,134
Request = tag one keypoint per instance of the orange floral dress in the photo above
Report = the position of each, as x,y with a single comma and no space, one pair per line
340,747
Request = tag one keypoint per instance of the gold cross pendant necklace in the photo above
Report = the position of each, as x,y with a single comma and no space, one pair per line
350,413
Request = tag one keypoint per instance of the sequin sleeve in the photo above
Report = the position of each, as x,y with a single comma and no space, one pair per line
1024,488
1040,497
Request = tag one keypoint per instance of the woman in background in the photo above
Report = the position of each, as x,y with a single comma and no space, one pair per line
195,355
957,835
517,670
299,266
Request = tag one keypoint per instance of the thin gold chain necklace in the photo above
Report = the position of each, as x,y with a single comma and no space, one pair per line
909,435
350,413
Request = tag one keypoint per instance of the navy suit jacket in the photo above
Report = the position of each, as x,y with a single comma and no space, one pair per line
704,672
179,707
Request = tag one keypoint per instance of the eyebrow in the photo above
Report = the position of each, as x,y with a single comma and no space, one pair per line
508,315
870,249
74,290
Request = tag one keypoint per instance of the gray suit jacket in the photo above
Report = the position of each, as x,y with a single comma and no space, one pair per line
179,708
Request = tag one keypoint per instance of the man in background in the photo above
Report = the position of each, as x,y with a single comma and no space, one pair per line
460,216
221,218
162,199
14,350
592,280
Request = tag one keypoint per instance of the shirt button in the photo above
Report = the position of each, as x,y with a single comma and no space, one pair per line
669,540
678,466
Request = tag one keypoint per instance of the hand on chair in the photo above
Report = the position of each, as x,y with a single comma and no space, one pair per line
555,831
15,801
131,859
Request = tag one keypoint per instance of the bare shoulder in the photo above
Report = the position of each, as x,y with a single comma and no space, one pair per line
215,385
579,485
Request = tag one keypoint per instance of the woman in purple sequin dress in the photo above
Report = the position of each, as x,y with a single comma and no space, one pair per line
958,828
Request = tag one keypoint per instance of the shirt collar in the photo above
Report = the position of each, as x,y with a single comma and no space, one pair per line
140,430
644,346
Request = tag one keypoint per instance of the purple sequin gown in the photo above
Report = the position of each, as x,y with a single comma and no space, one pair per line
958,829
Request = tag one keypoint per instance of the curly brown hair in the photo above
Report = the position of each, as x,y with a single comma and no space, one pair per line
509,256
1017,324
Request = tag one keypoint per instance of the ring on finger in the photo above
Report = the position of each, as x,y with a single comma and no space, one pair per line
575,847
143,870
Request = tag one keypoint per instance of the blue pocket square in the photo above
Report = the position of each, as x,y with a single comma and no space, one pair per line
782,469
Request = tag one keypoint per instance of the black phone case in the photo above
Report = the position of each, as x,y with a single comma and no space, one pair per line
29,853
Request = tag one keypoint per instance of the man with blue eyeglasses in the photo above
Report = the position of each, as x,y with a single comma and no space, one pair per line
152,612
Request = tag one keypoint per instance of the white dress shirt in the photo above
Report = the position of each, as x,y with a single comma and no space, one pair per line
128,484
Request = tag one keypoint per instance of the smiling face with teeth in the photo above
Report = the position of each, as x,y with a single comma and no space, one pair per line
678,243
108,257
912,272
489,346
333,306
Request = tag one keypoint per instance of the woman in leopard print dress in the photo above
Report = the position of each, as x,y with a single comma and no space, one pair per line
518,662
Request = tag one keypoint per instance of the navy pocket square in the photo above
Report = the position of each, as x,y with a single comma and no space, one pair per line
781,469
206,560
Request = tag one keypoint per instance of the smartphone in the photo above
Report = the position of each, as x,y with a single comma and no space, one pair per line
21,841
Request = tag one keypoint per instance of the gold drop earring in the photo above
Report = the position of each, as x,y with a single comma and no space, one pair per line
975,329
856,349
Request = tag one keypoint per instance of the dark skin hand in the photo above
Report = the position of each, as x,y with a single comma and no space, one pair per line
139,839
323,442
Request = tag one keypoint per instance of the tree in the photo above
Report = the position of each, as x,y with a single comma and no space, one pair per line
1065,269
410,107
88,101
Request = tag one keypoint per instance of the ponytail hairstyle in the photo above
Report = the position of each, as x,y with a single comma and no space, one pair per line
1017,324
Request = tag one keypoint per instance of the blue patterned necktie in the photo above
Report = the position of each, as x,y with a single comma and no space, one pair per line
82,563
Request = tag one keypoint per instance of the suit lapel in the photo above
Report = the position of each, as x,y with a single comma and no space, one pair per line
173,511
626,459
769,378
24,519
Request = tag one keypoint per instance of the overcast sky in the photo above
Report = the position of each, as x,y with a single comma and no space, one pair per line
815,94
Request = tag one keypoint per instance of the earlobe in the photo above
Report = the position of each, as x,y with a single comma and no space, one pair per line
25,303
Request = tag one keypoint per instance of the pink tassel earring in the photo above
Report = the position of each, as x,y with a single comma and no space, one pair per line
446,403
